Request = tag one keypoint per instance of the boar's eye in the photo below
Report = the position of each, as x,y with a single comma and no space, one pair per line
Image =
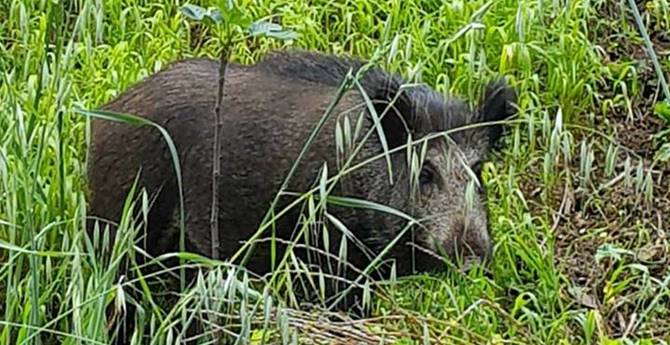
427,175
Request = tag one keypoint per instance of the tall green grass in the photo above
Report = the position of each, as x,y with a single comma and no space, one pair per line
56,287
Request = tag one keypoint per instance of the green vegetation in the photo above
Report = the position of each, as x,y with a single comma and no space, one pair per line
579,196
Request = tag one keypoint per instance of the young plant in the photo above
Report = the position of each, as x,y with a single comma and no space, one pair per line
234,22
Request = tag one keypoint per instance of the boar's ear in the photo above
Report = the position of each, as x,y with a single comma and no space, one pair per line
394,105
498,103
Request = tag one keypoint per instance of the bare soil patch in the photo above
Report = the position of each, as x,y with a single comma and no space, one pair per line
612,223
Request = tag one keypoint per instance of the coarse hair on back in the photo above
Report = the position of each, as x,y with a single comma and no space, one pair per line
418,109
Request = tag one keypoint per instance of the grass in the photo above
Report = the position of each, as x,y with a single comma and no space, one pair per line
579,207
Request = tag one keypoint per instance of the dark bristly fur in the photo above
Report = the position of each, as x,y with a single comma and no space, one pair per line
269,110
496,104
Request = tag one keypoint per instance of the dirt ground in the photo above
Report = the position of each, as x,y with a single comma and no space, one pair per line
611,214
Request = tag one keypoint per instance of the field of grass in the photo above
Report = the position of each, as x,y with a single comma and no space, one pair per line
579,197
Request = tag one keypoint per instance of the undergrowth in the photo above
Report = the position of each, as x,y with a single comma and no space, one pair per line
578,197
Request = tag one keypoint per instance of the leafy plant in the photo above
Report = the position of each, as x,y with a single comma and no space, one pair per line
232,19
662,109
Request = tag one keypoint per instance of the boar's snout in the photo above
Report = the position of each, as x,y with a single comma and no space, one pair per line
474,240
468,241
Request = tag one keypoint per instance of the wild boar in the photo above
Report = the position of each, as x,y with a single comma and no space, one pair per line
269,110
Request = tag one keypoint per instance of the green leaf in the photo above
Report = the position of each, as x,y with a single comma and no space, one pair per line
215,16
610,251
263,28
194,12
662,109
226,4
232,15
663,154
348,202
8,246
199,14
113,116
239,18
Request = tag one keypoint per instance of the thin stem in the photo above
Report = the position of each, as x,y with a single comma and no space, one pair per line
216,159
650,49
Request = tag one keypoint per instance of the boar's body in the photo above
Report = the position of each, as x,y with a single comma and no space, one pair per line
269,110
267,118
